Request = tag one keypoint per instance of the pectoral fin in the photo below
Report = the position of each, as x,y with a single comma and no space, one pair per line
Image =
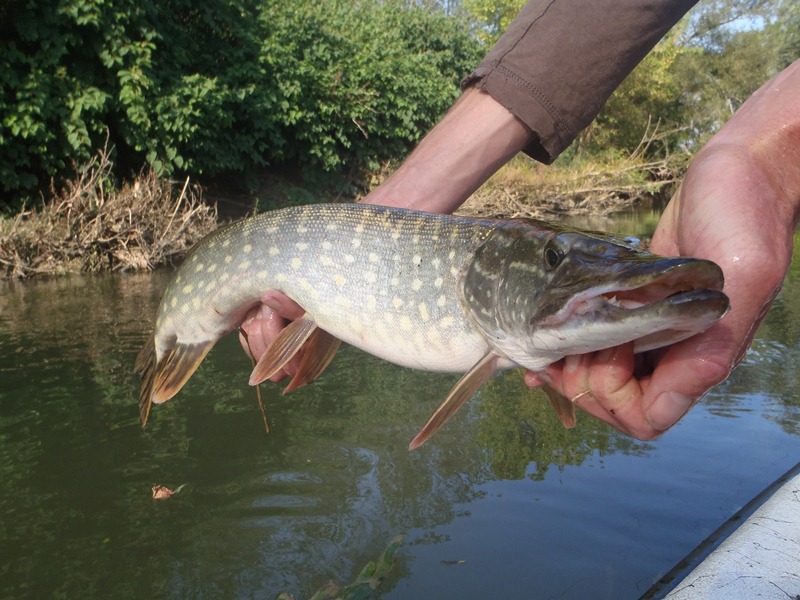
282,349
162,379
463,391
563,407
318,352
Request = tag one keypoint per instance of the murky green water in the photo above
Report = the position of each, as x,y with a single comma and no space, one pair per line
502,503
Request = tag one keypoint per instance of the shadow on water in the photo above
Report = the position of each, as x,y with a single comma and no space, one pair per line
531,505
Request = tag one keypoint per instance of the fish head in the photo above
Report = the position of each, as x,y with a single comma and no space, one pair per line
539,294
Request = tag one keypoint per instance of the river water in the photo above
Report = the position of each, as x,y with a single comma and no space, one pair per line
502,503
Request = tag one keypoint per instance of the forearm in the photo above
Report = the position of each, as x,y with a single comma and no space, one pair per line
766,128
474,139
546,79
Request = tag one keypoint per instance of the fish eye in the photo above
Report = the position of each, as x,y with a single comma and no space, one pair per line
552,257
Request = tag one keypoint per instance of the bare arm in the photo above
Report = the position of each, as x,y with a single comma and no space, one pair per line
738,206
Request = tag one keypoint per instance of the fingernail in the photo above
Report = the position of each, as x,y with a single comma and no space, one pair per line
572,362
668,408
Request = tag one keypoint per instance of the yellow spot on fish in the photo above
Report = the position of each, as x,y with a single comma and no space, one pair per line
370,277
302,228
296,262
417,260
395,235
302,246
228,259
331,226
436,262
339,279
356,242
226,243
397,302
341,300
271,230
212,268
372,257
174,302
371,302
211,285
405,323
224,277
446,321
244,265
326,261
199,267
438,282
452,255
441,301
327,245
274,250
349,258
359,228
423,311
196,302
394,282
263,274
281,277
247,248
416,284
453,271
187,289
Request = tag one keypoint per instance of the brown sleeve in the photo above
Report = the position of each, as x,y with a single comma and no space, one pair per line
560,60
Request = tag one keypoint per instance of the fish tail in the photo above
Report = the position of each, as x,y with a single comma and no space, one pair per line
145,367
163,378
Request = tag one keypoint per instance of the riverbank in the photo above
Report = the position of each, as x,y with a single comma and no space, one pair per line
94,224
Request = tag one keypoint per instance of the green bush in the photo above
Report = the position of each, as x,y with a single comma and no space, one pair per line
220,88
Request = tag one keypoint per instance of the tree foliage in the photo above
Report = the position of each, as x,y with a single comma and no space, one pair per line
221,87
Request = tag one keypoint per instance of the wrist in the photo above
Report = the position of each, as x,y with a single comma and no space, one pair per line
767,129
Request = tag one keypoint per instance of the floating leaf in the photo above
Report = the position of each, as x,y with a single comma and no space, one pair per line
162,492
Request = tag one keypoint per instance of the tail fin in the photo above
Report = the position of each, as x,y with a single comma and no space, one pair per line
163,378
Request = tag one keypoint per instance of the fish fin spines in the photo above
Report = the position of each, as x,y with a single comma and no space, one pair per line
282,349
318,352
145,367
463,391
163,378
563,407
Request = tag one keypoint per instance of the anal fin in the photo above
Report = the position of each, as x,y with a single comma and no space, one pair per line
282,349
463,391
163,378
318,352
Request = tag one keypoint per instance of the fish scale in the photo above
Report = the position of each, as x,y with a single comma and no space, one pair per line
433,292
386,284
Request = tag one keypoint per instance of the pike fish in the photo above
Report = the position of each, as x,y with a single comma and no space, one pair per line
426,291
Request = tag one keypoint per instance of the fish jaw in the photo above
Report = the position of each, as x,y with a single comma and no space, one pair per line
541,294
652,303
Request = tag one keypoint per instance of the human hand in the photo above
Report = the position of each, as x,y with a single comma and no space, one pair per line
737,206
264,322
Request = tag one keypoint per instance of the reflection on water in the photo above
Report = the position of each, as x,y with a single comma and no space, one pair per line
502,502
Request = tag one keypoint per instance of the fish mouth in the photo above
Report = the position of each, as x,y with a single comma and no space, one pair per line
653,304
